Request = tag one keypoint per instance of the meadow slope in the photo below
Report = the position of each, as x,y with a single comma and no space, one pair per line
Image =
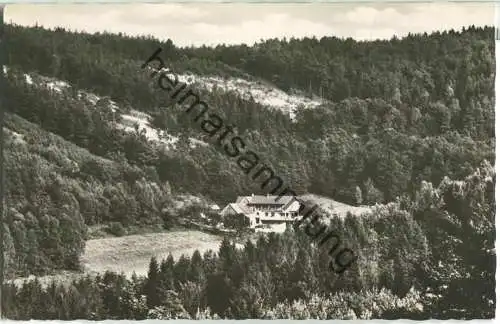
133,252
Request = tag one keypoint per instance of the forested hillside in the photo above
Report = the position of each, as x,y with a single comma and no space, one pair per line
407,123
431,258
414,106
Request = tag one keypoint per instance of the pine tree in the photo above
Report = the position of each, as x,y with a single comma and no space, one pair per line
227,255
196,273
153,284
219,293
401,284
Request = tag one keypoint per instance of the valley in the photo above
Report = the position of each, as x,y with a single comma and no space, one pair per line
395,146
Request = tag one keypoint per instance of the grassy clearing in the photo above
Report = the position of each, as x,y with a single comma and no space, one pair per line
335,207
133,252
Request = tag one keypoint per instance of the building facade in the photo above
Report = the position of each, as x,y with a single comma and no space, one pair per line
264,211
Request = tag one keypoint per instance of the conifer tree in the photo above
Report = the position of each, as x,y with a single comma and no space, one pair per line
153,284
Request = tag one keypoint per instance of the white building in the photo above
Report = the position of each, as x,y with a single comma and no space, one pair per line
264,210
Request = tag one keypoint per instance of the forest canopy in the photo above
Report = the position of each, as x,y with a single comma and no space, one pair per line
407,124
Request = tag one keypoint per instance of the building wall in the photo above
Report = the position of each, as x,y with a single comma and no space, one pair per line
294,207
228,210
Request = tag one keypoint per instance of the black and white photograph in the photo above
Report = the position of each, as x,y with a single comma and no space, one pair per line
322,161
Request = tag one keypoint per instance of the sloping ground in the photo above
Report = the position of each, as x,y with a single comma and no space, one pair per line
133,253
129,120
335,207
152,134
261,92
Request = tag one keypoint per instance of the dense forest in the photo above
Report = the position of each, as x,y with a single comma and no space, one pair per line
400,272
406,123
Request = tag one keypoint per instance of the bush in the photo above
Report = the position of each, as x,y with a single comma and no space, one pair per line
213,217
116,229
237,222
169,220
